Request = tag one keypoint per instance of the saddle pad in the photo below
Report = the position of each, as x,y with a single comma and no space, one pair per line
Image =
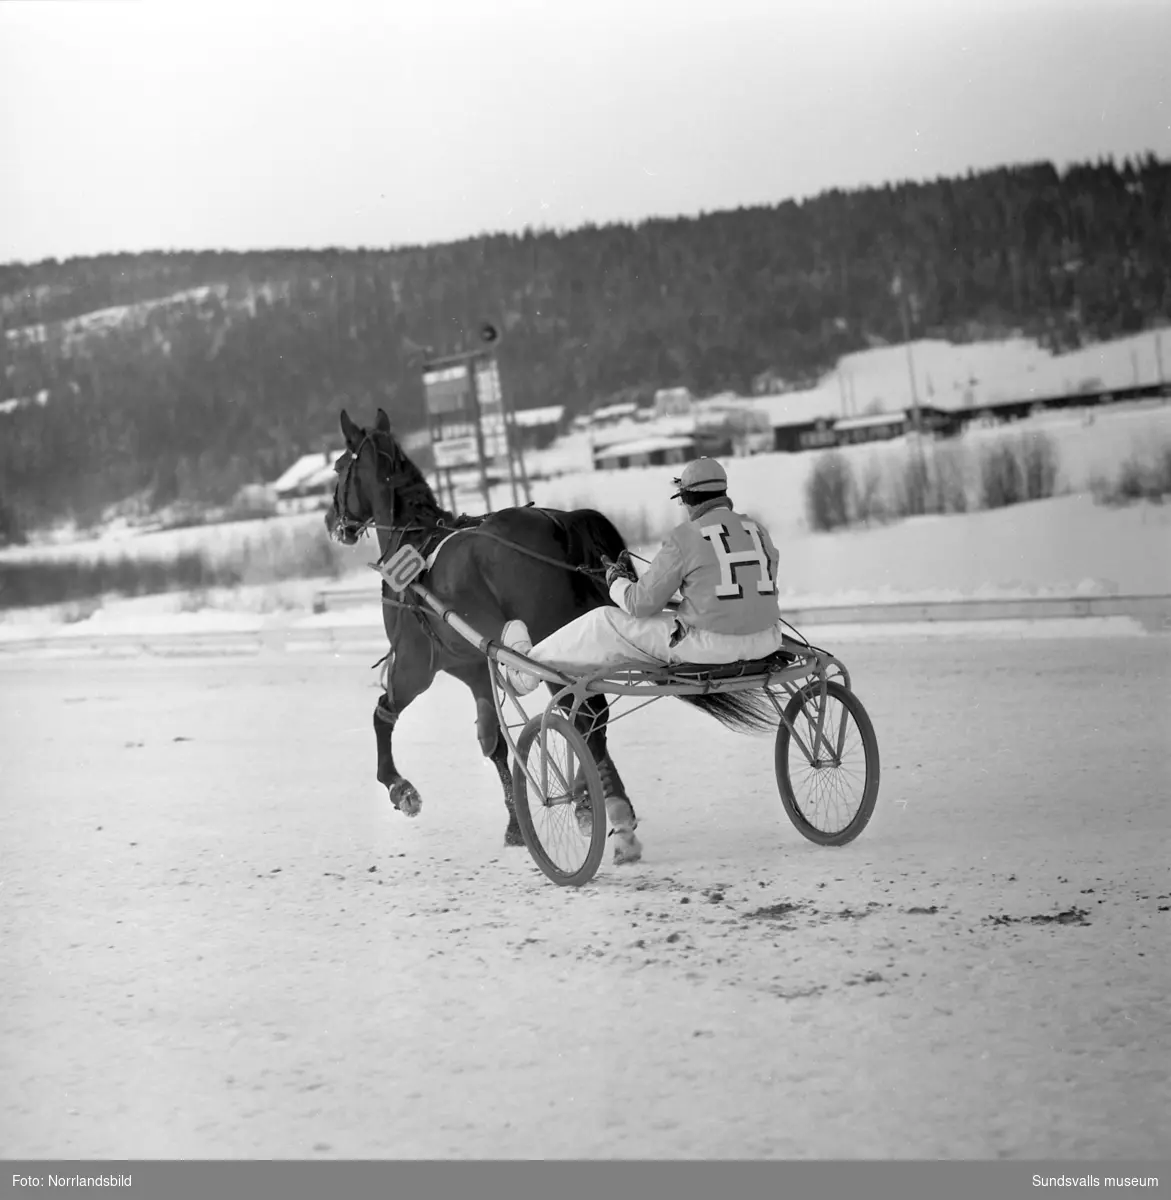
435,553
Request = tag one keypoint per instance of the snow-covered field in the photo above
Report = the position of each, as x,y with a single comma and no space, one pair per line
218,941
978,373
218,542
1067,546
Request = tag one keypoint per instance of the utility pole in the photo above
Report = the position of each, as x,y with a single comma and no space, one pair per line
910,356
519,449
897,291
514,451
473,385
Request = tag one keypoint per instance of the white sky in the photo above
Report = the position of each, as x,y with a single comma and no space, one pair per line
161,124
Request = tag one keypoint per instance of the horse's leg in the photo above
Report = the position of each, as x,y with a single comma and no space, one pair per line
478,678
592,721
411,673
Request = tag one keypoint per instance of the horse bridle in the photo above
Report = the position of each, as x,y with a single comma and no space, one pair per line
346,526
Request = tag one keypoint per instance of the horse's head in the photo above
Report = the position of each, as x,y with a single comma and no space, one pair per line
356,491
376,483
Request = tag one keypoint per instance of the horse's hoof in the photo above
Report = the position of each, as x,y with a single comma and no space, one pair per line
627,847
404,797
513,836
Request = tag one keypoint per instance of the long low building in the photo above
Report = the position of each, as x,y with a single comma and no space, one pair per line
308,483
537,418
645,452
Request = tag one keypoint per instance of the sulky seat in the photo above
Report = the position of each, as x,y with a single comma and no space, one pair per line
702,672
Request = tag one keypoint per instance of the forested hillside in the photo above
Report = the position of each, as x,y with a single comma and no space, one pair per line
184,375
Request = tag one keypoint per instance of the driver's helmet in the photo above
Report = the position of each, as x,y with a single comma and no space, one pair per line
701,475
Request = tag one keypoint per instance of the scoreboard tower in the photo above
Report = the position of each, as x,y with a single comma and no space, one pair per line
469,420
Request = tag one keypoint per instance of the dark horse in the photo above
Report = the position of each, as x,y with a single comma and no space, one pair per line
543,566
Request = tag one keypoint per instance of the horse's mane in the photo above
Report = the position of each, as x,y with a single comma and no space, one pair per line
421,519
410,483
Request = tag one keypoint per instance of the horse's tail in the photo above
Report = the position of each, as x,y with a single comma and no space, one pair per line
742,712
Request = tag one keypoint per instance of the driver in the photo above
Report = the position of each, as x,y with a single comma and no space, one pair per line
723,564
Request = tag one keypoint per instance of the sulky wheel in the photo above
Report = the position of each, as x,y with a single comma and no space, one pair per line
828,787
563,820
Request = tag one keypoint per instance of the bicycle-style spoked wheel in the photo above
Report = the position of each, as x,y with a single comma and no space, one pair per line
828,784
563,820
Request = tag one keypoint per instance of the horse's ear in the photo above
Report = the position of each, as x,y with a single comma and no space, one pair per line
351,432
382,421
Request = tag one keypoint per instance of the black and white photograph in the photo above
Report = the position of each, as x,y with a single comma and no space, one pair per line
586,582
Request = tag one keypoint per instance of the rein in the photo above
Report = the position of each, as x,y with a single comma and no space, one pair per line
594,572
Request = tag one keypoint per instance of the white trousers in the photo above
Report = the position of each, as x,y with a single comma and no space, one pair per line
607,637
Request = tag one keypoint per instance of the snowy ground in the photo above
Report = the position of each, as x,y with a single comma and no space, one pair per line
218,941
